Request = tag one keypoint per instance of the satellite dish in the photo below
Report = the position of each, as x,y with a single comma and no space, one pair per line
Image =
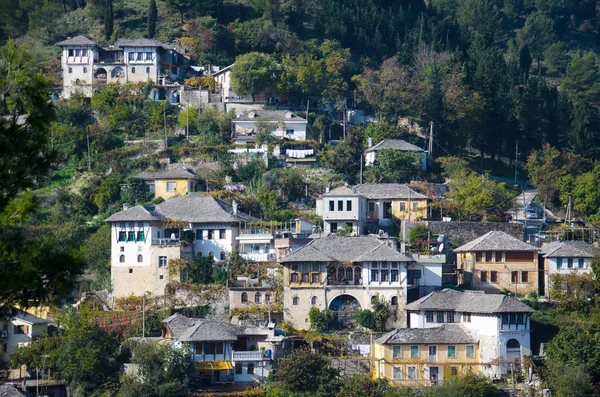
441,248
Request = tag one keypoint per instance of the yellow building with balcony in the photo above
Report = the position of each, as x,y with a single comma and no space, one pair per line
496,262
170,183
425,356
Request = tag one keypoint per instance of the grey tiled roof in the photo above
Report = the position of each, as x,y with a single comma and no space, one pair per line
193,209
29,318
187,329
77,40
567,249
341,191
141,43
469,301
345,249
269,115
446,334
496,241
397,144
374,191
175,173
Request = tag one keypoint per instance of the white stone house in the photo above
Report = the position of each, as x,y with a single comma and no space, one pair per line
145,239
86,66
395,144
498,322
346,274
565,257
285,124
20,329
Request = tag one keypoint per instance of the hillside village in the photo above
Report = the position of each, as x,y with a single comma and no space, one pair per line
273,198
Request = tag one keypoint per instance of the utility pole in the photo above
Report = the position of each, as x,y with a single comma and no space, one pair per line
344,121
165,122
516,162
144,316
361,162
187,124
87,136
430,141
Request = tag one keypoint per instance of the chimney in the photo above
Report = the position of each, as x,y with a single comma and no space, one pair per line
353,189
125,206
234,207
370,141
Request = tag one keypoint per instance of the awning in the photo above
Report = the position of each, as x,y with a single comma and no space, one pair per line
213,366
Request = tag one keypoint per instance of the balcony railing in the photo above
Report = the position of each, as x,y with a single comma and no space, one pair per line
256,257
249,356
165,241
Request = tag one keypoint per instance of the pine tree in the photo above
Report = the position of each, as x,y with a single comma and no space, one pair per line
108,20
152,16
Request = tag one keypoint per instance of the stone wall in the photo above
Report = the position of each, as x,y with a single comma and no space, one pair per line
194,98
462,232
242,108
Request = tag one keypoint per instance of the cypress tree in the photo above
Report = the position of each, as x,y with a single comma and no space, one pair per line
108,20
152,16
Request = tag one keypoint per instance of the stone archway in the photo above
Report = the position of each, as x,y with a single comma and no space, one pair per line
345,308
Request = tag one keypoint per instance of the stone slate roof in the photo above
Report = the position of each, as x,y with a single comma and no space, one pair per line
341,191
193,209
29,318
141,43
468,301
269,115
376,191
397,144
186,329
567,249
345,249
496,241
175,173
77,40
9,391
461,232
446,334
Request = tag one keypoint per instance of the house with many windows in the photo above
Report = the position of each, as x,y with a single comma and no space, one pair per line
496,262
178,181
565,257
144,239
498,325
346,274
397,145
370,206
21,328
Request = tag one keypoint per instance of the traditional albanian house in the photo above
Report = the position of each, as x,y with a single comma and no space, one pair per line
496,262
397,145
346,274
169,183
565,257
144,240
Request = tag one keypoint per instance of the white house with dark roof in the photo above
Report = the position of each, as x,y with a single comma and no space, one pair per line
19,329
145,239
87,66
346,274
565,257
284,123
499,323
370,205
395,144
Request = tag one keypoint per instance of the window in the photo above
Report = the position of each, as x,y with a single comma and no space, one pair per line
199,234
295,301
209,348
514,277
411,373
357,274
131,56
294,277
222,234
348,205
429,317
374,299
396,372
148,70
21,329
84,69
494,276
451,351
140,258
313,300
483,276
244,297
84,52
505,318
71,52
384,275
133,70
396,351
449,317
524,277
513,344
440,317
77,52
466,317
520,318
470,351
222,256
340,205
374,275
210,234
162,261
454,371
267,298
122,259
238,368
394,276
331,205
569,263
140,56
402,206
314,278
371,206
218,348
334,227
387,210
140,236
580,263
211,254
394,301
414,351
148,56
122,249
122,236
304,277
70,70
558,263
289,132
250,369
171,186
130,271
131,236
257,297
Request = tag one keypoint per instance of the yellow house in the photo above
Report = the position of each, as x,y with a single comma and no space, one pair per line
425,356
387,201
170,183
496,262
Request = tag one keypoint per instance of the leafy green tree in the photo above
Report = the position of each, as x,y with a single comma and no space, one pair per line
393,166
108,20
537,34
162,371
97,257
108,193
468,386
44,17
585,130
582,80
556,58
545,167
345,230
574,346
134,192
569,380
586,194
253,73
374,319
201,270
319,319
270,9
152,17
480,17
419,232
344,158
180,6
365,386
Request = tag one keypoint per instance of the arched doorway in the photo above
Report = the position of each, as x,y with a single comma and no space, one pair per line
344,308
513,349
100,74
117,73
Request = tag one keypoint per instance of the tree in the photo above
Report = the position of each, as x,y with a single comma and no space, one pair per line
545,167
162,371
365,386
419,232
344,159
201,270
97,256
571,290
584,131
44,17
556,58
152,17
537,34
569,380
574,346
393,166
468,386
345,230
253,73
586,194
180,6
319,319
305,371
582,80
108,20
374,319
